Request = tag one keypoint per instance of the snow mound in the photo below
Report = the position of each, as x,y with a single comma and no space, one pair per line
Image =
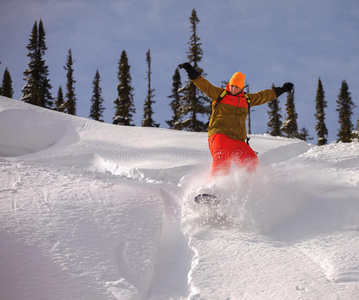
28,131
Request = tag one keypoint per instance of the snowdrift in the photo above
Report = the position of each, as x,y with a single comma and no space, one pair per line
97,211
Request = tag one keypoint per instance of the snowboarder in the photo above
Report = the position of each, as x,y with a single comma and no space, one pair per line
227,128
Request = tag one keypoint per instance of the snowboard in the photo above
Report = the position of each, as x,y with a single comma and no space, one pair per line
206,198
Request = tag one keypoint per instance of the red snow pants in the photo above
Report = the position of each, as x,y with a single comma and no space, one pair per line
224,150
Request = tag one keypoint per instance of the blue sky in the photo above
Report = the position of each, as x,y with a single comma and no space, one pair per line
269,41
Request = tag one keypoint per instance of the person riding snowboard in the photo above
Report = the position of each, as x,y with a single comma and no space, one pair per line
227,127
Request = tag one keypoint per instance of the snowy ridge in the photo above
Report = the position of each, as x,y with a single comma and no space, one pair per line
96,211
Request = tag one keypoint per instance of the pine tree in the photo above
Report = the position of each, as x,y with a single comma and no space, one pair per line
30,92
70,104
194,101
175,104
148,112
249,127
0,85
356,132
96,112
322,131
289,126
275,123
124,103
60,102
45,86
37,89
6,89
304,134
345,107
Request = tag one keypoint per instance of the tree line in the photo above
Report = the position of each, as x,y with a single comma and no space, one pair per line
189,106
289,128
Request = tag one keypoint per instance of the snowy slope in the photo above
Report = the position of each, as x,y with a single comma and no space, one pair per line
96,211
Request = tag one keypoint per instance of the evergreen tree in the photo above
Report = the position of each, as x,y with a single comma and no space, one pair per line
0,85
345,107
37,88
304,134
30,92
124,103
194,101
275,123
148,112
60,102
70,104
96,112
249,129
356,132
175,104
289,126
6,89
322,131
45,86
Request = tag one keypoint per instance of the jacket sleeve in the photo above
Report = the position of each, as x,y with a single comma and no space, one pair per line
206,87
262,97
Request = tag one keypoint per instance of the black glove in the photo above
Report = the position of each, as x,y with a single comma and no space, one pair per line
192,73
287,87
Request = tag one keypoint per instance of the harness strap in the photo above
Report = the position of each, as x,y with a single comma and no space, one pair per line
248,100
247,141
225,92
221,96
